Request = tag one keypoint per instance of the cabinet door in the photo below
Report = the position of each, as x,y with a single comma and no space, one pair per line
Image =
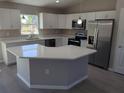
6,19
105,15
91,16
75,16
1,57
69,19
15,19
84,15
48,21
54,21
62,21
1,19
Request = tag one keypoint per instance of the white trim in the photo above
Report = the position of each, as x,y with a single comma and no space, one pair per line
58,87
111,69
27,83
1,61
51,86
77,82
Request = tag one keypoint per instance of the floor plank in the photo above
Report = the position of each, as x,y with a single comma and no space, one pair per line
99,81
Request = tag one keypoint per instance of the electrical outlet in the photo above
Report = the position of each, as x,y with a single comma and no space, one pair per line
47,71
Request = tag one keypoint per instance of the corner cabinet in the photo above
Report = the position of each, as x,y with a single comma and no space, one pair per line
10,19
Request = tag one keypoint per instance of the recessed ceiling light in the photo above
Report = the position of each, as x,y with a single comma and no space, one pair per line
57,1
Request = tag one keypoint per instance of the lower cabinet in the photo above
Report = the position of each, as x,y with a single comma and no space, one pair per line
61,41
1,57
9,58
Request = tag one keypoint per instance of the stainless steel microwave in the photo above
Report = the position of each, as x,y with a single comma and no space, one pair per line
75,24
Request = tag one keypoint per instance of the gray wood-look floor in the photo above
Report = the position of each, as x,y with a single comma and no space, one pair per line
99,81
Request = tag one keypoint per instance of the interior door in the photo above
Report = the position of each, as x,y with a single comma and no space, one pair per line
119,58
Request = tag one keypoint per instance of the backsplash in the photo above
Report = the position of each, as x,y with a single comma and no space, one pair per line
45,32
58,32
9,33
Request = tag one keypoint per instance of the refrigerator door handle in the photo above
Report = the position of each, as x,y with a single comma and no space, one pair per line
95,38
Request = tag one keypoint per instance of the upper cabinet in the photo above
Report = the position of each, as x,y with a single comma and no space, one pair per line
61,21
15,19
69,18
90,16
106,15
48,21
10,19
64,21
52,21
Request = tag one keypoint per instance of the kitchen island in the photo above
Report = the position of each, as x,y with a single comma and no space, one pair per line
51,67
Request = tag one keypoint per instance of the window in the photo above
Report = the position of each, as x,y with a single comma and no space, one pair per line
29,24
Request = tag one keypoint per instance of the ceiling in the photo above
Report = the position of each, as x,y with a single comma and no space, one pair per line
47,3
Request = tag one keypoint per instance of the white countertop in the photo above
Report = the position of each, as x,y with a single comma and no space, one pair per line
39,51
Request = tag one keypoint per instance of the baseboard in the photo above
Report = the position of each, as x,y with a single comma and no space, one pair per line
1,61
111,69
77,82
52,86
27,83
58,87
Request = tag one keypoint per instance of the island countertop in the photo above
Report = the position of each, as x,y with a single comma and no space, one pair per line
67,52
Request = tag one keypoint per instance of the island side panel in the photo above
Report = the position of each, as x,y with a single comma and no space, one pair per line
47,72
23,70
58,74
78,70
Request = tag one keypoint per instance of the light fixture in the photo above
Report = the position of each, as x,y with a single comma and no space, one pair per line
23,17
57,1
79,21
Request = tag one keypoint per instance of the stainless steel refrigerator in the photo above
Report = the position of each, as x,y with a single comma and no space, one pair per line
100,38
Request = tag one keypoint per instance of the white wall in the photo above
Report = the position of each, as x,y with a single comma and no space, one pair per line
119,5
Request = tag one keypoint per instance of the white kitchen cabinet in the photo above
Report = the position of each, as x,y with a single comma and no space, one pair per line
61,41
106,15
69,19
84,15
15,19
9,58
90,16
10,19
1,57
5,19
76,16
83,43
61,21
48,21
